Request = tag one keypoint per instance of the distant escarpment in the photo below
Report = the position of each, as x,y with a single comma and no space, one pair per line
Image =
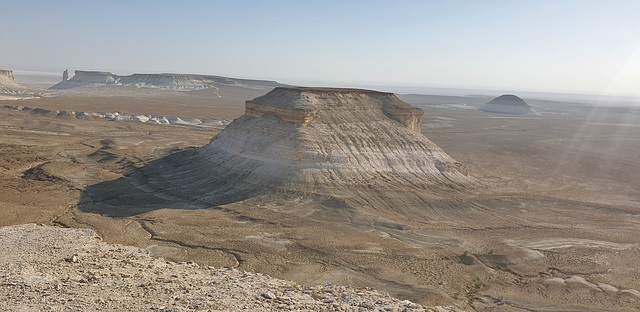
8,84
312,142
183,82
6,77
508,104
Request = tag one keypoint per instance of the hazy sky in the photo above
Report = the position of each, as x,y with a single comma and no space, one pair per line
583,46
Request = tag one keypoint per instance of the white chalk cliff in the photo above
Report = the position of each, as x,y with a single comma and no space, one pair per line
8,83
312,141
183,82
508,104
7,78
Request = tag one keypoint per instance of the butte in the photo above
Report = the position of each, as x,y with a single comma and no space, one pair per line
508,104
313,142
341,155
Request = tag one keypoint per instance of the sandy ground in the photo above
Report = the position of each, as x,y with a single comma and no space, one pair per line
554,228
194,104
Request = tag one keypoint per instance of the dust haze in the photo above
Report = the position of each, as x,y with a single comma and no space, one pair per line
485,210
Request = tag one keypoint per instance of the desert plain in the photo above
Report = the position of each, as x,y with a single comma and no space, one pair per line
550,222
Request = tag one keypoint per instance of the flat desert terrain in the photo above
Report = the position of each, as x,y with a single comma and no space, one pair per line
551,224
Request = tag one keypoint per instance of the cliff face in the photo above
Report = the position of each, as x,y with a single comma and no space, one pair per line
8,77
183,82
313,141
94,77
301,105
9,85
508,104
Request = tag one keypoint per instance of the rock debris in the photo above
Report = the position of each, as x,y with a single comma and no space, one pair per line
46,268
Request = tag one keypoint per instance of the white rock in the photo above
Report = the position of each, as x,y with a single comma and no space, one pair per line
556,281
579,281
607,288
631,292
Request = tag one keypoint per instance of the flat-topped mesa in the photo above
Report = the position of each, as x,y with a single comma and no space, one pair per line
8,75
361,146
93,77
165,81
301,106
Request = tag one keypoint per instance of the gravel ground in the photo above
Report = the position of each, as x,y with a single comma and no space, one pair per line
44,268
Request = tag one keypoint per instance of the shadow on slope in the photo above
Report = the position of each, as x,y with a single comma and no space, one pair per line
189,181
168,183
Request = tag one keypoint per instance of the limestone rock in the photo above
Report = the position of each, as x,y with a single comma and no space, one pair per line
184,82
312,141
607,287
65,75
554,282
508,104
9,85
303,104
7,77
631,293
579,281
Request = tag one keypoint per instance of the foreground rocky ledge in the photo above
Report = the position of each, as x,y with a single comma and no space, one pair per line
44,268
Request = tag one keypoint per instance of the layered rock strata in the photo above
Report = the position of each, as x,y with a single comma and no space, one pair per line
185,82
9,85
508,104
7,77
324,155
299,107
311,141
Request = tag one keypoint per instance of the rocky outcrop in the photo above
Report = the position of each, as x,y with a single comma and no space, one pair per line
9,86
117,116
84,78
313,141
65,75
290,107
301,105
329,155
508,104
6,77
184,82
577,282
